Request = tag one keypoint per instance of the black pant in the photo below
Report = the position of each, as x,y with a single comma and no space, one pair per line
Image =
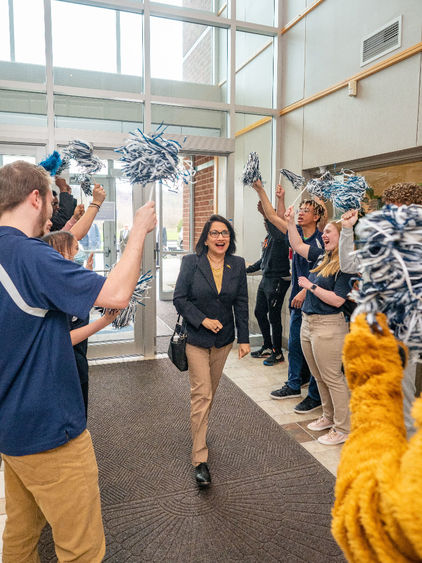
269,301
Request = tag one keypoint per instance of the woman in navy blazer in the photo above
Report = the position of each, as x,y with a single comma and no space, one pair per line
212,296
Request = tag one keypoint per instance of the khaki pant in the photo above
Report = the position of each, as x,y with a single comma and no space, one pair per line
322,338
59,486
205,369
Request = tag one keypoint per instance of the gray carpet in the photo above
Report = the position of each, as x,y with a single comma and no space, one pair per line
269,501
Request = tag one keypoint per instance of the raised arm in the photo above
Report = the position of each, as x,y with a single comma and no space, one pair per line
118,287
349,264
79,334
295,239
281,203
268,209
80,229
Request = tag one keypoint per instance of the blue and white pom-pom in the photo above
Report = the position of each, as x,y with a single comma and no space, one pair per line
52,163
297,181
349,193
321,187
88,164
127,315
251,171
390,253
150,159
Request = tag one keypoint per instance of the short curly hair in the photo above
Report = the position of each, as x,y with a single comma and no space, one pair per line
403,193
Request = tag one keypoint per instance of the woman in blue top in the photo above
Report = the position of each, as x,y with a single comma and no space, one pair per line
324,327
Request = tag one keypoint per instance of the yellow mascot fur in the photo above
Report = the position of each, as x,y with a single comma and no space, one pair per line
377,515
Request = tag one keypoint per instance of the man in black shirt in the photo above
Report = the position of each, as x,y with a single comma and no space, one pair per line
275,266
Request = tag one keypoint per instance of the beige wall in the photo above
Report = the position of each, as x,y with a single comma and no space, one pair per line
324,49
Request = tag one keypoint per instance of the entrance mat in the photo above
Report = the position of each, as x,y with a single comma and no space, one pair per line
269,501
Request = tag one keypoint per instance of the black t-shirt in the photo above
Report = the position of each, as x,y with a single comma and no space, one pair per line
340,283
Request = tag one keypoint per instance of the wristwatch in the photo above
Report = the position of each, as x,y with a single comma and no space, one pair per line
313,287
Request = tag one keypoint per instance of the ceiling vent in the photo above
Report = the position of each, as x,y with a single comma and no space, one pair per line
381,42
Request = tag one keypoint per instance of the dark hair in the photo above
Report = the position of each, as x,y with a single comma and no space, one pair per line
201,247
404,193
54,193
61,241
18,179
318,209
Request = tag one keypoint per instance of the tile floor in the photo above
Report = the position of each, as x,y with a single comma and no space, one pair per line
257,380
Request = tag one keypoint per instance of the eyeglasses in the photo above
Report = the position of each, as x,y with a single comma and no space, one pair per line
215,234
306,210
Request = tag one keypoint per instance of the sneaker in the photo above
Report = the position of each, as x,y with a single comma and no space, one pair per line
263,352
307,405
285,392
333,438
275,358
321,423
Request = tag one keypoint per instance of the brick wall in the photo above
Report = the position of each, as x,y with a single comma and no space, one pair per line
203,204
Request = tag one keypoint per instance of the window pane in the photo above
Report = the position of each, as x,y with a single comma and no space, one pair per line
204,5
254,65
94,48
92,113
29,31
190,121
4,31
99,62
256,12
23,108
131,43
195,61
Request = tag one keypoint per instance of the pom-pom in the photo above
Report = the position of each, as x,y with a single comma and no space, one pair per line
251,171
88,164
349,193
297,181
321,187
127,315
52,163
390,253
150,159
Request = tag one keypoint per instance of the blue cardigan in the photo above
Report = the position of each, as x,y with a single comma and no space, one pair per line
196,298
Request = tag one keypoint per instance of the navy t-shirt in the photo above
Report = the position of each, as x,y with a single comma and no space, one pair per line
41,404
340,283
301,265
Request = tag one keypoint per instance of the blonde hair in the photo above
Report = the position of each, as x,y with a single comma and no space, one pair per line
330,264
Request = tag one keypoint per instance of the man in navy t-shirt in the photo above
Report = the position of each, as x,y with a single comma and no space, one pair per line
50,469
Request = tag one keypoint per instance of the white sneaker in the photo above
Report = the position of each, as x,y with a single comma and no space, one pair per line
321,423
333,438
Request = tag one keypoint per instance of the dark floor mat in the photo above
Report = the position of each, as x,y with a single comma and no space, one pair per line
269,501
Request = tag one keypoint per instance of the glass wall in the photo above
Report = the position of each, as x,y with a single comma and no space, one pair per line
261,12
111,56
193,64
254,69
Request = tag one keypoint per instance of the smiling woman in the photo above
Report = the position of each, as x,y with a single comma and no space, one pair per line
211,294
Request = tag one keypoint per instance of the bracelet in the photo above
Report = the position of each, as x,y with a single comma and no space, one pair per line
94,205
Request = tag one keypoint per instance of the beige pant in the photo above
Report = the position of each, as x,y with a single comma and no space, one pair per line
59,486
322,338
205,369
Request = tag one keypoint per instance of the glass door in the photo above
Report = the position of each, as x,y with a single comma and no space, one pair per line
173,240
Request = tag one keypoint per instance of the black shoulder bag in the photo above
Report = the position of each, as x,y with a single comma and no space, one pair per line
177,346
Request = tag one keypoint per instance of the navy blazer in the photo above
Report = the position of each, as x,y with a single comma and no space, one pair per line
196,298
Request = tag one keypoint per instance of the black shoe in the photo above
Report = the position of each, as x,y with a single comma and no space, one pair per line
275,358
285,392
263,352
307,405
202,475
305,380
